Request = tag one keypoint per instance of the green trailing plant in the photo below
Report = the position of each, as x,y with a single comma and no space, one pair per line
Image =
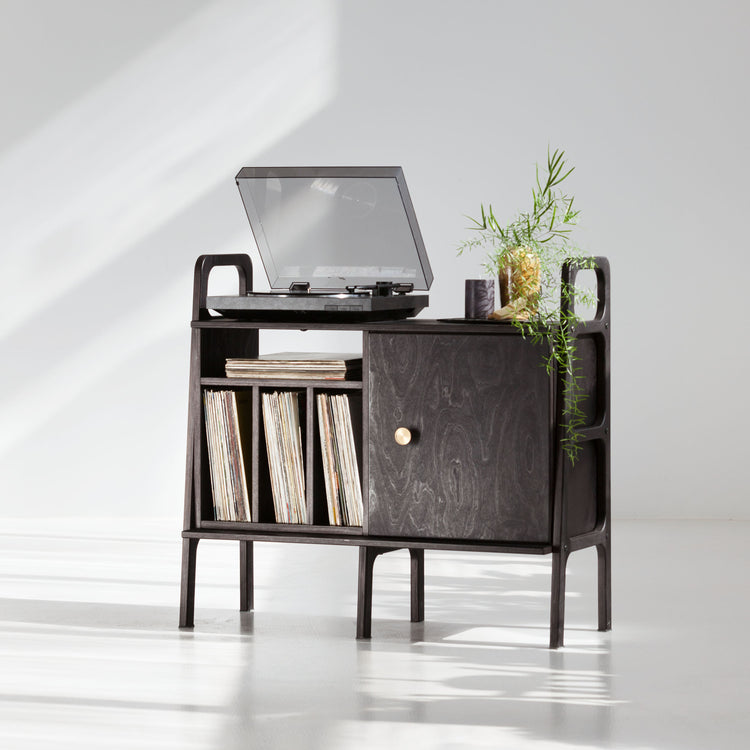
532,248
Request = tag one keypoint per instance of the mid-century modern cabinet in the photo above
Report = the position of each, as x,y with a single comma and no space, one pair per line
457,428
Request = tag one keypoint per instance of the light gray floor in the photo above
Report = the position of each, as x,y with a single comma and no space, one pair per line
91,657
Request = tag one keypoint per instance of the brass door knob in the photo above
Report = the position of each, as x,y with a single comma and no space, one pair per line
402,436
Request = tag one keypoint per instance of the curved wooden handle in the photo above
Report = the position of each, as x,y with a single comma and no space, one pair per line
570,270
203,267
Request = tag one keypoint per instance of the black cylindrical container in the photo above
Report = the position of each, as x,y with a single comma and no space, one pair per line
480,298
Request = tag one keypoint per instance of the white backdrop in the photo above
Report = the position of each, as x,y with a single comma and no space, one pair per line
124,124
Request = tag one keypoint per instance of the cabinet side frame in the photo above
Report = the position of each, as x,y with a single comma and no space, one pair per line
598,433
193,491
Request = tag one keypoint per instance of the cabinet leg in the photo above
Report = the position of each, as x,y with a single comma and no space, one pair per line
246,576
557,604
367,557
187,585
417,585
604,556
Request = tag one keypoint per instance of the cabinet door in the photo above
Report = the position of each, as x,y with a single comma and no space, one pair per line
479,462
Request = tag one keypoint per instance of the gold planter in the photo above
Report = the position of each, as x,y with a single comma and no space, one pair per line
520,282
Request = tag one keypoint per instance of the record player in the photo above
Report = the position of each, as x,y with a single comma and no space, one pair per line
337,244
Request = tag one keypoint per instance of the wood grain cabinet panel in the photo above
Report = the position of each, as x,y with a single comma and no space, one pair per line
478,408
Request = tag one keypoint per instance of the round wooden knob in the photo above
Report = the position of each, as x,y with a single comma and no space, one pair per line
402,436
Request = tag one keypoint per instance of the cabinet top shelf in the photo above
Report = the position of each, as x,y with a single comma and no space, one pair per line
352,385
390,326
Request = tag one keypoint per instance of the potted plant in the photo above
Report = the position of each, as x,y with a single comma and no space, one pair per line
527,255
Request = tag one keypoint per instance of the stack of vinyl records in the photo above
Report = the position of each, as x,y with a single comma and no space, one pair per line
297,365
281,424
225,412
340,467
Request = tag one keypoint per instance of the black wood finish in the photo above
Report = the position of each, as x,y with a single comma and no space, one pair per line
194,425
258,445
209,348
417,584
256,527
246,576
583,490
478,463
202,271
262,478
557,604
313,479
187,586
484,470
286,384
580,491
218,344
604,591
418,325
367,557
195,429
350,536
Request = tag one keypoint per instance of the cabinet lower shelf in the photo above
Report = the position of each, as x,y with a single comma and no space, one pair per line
282,528
351,536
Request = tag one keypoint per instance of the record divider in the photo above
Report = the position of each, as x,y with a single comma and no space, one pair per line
255,459
309,452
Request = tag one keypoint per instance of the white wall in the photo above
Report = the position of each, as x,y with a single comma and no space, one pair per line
124,124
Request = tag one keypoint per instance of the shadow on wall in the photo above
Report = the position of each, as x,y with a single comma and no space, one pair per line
113,199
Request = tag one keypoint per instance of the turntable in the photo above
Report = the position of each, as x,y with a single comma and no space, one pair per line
337,244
